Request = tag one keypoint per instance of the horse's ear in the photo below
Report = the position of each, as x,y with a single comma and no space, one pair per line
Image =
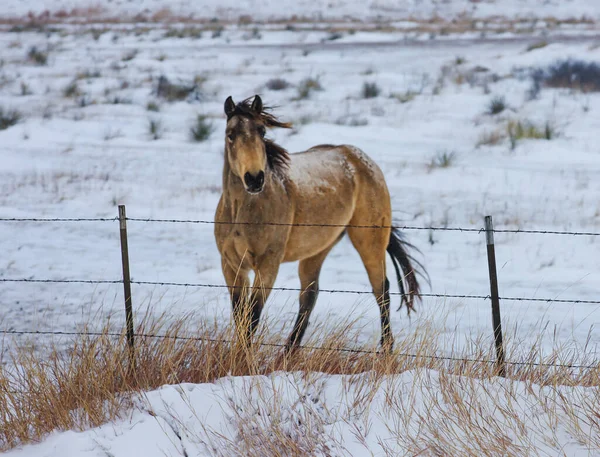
257,104
229,107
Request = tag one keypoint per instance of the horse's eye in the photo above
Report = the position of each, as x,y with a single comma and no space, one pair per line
230,137
262,131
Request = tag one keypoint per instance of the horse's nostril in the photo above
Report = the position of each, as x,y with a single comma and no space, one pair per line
254,182
248,179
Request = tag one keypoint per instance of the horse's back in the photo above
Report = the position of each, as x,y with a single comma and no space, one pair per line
333,186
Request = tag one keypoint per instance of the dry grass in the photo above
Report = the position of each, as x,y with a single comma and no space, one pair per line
91,382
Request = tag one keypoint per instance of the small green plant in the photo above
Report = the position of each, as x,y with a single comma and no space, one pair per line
155,129
153,106
459,60
370,90
536,45
496,105
308,86
443,159
8,118
37,56
202,128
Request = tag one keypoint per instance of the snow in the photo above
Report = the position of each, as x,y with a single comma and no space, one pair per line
383,10
68,160
401,416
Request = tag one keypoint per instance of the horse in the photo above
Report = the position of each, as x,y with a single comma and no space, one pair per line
278,207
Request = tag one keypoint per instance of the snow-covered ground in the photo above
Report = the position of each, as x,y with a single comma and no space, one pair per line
382,10
415,413
81,154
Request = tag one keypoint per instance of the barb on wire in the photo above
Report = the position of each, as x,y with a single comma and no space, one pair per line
303,347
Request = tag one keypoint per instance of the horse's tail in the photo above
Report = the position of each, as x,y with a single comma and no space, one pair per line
407,278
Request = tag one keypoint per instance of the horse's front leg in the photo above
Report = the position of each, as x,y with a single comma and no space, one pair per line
238,285
264,279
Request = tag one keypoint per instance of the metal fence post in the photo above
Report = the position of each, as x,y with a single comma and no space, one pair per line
496,321
126,283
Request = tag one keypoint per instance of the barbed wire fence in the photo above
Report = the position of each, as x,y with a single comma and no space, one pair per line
126,281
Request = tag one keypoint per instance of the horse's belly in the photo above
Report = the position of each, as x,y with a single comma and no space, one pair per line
305,242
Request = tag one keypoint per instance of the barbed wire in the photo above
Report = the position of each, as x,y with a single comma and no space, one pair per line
294,289
283,224
302,347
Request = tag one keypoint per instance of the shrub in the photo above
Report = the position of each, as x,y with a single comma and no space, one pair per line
277,84
442,159
571,74
8,118
334,36
37,56
496,105
171,91
155,129
307,86
370,90
202,128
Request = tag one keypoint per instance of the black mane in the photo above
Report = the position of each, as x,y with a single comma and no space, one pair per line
277,156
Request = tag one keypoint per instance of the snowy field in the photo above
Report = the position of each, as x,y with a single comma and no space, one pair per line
84,145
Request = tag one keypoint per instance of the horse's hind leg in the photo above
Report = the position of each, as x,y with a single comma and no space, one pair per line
308,270
371,245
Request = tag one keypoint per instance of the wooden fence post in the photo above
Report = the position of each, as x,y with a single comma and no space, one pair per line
496,321
126,283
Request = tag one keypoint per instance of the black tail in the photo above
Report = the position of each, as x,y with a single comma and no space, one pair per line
407,278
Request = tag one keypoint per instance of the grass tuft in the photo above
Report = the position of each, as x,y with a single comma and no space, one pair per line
155,129
306,87
202,128
37,56
277,84
8,118
536,45
370,90
519,130
496,105
443,159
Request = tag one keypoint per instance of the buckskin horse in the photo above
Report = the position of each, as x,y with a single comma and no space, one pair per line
278,207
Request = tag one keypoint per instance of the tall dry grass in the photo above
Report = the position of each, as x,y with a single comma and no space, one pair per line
91,382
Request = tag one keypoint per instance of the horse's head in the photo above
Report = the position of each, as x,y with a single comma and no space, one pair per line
249,153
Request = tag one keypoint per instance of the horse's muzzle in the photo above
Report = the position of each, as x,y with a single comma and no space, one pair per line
254,183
